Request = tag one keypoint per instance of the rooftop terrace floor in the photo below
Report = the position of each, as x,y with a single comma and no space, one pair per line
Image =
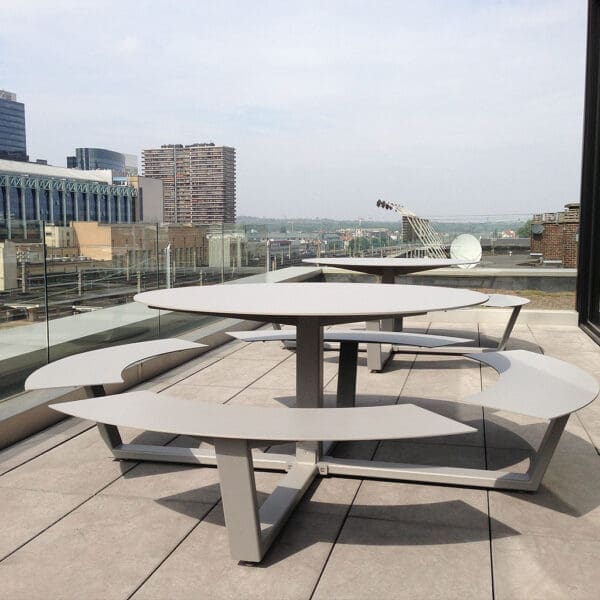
76,524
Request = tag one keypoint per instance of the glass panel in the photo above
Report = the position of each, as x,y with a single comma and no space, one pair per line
44,205
56,207
92,285
102,208
81,206
113,208
23,312
93,207
70,206
30,204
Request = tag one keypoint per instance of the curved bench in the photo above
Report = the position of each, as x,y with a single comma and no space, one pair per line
349,341
96,369
234,429
529,384
105,366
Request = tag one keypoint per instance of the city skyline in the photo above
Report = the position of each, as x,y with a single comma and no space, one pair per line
451,110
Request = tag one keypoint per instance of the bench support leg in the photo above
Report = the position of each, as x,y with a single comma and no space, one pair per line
111,436
509,327
541,460
252,531
346,383
238,494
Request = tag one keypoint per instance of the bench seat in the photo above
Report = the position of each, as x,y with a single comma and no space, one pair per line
534,385
153,412
397,338
105,366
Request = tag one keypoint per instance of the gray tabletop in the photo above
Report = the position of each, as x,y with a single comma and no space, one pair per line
380,266
327,303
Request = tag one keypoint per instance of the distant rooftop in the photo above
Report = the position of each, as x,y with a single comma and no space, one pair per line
29,168
4,95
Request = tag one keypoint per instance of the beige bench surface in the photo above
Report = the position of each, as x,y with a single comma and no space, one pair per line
104,366
153,412
352,335
534,384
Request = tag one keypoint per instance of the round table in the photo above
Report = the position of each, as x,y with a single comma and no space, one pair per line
310,306
386,269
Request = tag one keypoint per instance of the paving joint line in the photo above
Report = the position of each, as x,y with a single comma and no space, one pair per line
65,515
173,550
47,449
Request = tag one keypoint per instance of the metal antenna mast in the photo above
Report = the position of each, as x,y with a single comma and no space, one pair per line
431,241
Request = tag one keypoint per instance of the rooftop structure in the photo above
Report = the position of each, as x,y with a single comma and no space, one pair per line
121,165
555,236
13,142
198,180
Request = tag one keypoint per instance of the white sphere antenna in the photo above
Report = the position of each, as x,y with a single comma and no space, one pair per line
466,247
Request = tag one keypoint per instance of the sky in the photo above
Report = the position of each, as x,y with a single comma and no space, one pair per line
451,108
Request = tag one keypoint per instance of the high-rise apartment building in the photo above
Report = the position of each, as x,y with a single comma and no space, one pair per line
198,181
13,144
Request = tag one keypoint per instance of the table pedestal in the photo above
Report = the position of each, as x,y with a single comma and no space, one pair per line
379,354
309,378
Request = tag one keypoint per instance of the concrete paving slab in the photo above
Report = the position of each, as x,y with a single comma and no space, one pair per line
201,564
80,466
419,503
434,453
231,372
187,369
259,396
263,350
162,481
103,550
210,394
27,513
386,559
530,567
284,375
430,376
566,506
20,453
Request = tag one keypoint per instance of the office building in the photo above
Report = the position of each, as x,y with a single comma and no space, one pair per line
198,182
13,144
31,193
88,159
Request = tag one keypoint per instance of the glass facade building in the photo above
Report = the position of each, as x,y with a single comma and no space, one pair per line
28,199
90,159
13,144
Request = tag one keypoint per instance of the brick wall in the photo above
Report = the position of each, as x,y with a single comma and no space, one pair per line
558,241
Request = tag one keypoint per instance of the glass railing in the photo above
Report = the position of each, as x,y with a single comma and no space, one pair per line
64,290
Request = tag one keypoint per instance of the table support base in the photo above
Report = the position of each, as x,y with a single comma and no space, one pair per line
251,530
